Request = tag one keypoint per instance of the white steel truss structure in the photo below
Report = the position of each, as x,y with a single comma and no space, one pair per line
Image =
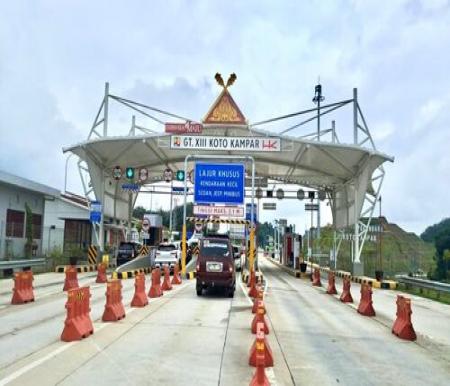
353,182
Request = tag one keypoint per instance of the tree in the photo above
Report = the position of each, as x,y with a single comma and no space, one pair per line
439,234
139,212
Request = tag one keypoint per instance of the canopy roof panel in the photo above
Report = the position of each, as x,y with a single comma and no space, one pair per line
309,163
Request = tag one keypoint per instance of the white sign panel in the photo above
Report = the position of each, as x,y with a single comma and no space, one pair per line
212,143
226,211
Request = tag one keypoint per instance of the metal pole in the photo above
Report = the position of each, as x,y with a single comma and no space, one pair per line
356,248
101,239
355,116
105,119
333,131
130,213
318,119
133,125
65,174
318,219
171,210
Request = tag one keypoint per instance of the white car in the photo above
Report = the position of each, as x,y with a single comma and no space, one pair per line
167,253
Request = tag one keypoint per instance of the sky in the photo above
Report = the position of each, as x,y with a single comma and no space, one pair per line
56,56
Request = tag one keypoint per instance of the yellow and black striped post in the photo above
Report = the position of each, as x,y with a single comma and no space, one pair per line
144,250
252,250
92,255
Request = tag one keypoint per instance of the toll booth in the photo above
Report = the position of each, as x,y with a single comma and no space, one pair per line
288,248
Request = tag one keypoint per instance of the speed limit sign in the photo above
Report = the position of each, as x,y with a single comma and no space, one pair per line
168,175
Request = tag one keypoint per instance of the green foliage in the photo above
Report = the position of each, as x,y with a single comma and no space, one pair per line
139,212
28,231
439,234
262,231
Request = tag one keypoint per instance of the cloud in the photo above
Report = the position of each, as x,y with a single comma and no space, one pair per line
165,54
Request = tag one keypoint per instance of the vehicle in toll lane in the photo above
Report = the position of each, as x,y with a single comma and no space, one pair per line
168,253
215,265
237,257
127,251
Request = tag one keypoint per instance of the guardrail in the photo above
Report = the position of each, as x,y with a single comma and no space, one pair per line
11,264
421,283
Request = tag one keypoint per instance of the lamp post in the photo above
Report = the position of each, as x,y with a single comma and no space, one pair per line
318,97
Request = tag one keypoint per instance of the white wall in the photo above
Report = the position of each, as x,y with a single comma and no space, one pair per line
55,212
15,198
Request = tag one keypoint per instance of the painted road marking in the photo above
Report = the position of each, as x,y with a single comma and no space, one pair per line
55,352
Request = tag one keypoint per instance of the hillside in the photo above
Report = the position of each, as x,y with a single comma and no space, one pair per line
401,251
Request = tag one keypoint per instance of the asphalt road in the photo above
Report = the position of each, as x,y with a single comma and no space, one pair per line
182,339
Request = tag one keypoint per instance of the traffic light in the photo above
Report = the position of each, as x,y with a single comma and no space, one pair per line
180,175
129,173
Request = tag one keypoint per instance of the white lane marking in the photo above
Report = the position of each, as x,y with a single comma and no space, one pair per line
271,376
59,350
34,364
245,292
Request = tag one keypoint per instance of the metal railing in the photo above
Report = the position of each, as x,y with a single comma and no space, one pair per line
427,284
11,264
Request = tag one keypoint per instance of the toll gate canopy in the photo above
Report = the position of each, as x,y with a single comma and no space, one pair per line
351,175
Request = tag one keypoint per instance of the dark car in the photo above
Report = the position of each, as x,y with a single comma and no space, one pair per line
127,251
215,265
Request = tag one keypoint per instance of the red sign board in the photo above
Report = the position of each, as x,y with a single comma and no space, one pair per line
183,128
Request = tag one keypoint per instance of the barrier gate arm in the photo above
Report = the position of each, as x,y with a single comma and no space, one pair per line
252,225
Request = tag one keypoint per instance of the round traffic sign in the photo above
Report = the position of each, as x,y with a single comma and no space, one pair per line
145,224
280,194
143,174
300,194
322,195
117,173
168,175
258,193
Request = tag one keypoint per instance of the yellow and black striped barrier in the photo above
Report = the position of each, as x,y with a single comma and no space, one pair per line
191,275
218,221
81,268
92,254
130,274
144,250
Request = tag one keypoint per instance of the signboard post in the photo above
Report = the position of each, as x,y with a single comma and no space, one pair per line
248,213
95,215
219,183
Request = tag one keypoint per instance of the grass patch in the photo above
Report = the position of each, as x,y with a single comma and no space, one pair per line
441,297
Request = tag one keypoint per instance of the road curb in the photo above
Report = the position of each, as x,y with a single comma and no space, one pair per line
385,284
81,268
130,274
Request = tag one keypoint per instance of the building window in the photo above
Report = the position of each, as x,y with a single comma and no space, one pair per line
14,223
37,226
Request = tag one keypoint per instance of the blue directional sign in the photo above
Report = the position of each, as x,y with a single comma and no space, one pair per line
248,211
95,215
219,183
